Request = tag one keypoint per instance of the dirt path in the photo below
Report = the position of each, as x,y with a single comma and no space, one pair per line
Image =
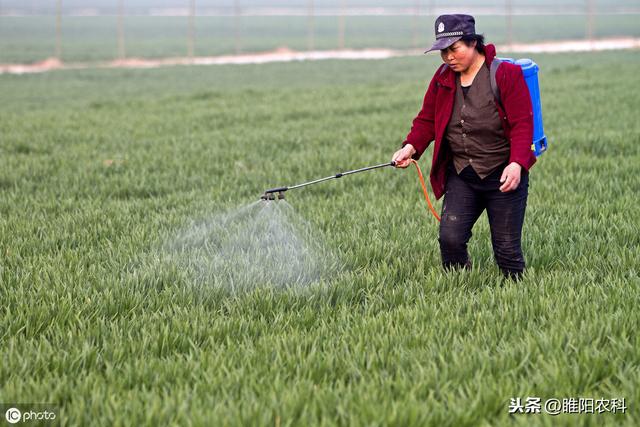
287,55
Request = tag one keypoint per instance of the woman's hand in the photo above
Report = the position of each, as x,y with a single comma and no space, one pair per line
510,177
402,157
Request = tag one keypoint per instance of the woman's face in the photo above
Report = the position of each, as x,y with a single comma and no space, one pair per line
459,56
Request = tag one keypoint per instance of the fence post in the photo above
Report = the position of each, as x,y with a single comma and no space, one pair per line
590,21
121,47
416,24
236,9
311,30
509,18
343,7
59,30
191,35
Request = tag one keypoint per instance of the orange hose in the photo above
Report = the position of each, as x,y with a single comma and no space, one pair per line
424,190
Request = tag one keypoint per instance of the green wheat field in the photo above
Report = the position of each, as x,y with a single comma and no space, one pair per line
99,167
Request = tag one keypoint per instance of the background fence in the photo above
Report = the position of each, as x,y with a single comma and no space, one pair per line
98,30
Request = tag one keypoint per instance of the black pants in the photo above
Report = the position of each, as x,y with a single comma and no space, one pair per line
466,197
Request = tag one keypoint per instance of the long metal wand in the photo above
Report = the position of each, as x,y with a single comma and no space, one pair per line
270,193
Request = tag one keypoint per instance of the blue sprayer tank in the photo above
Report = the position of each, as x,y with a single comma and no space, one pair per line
530,71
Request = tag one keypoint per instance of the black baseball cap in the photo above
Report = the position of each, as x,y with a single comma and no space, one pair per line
451,28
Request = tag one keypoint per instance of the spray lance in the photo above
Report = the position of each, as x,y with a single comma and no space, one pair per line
278,192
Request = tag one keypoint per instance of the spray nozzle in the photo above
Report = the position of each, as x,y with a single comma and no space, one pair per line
271,193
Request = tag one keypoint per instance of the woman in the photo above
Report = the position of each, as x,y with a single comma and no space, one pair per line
482,151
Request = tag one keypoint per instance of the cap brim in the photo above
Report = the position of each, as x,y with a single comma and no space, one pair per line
443,43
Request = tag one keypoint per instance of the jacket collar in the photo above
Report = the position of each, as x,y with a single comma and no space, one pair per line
448,77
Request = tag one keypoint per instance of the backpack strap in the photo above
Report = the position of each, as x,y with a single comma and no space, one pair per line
494,84
441,71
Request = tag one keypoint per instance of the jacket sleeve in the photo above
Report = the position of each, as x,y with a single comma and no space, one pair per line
423,126
517,106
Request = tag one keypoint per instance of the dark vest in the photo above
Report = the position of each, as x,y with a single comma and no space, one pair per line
475,132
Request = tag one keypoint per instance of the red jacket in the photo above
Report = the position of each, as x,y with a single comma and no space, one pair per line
431,122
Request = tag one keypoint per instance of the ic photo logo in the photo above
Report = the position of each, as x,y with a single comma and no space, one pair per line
14,415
